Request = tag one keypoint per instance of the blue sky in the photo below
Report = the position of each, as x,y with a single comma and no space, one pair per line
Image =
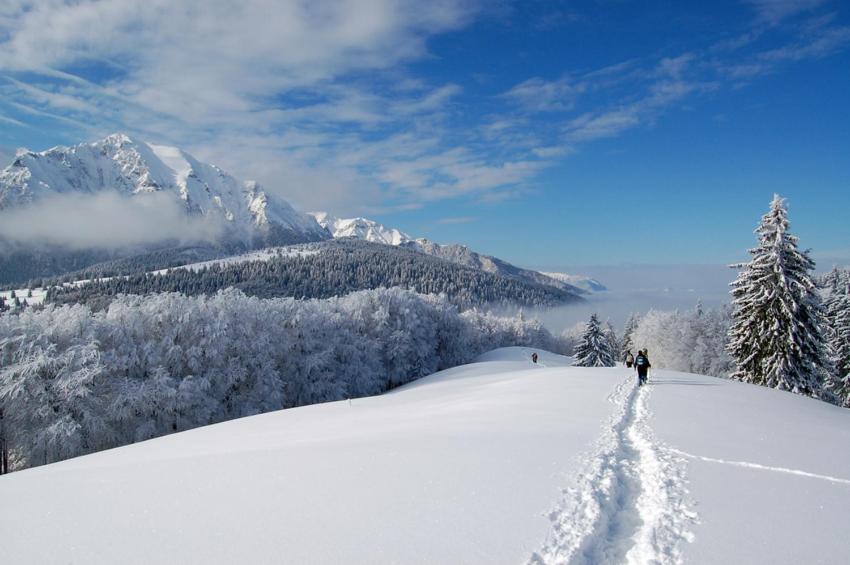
546,133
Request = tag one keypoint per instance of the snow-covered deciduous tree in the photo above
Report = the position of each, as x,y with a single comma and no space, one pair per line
776,338
73,380
692,341
594,349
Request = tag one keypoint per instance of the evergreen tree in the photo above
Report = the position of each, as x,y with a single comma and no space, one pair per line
837,308
776,338
614,344
631,324
594,349
841,350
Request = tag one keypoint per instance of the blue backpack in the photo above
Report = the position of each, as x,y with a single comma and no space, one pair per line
641,361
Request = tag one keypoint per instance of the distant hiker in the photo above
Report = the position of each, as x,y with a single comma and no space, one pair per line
534,357
642,366
629,360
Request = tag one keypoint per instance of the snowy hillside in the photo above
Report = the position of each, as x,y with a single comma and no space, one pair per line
501,461
129,168
325,269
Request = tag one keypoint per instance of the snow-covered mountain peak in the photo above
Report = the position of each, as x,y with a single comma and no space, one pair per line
361,228
129,167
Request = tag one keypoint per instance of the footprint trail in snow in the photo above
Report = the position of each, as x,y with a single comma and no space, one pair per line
629,504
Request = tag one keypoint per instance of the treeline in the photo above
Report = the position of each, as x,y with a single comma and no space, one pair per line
75,381
323,270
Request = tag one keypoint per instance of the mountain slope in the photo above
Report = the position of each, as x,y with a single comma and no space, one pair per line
499,461
326,269
463,255
369,230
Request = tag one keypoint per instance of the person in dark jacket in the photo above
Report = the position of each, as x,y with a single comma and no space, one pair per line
642,366
534,357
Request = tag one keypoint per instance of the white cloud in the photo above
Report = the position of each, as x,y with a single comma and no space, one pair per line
105,221
457,220
539,95
196,60
773,12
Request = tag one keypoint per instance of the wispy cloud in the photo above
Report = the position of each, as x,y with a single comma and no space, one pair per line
540,95
12,121
774,11
457,220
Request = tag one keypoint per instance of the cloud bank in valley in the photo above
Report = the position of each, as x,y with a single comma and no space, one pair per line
104,221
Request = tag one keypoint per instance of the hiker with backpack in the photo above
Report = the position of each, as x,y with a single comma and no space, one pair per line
642,366
629,359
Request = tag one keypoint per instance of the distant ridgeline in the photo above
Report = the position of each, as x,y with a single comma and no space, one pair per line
324,270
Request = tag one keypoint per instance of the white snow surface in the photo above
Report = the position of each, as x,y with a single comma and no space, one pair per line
265,254
499,461
37,297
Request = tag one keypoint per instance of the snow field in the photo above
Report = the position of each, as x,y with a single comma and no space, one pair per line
36,298
769,470
461,466
465,466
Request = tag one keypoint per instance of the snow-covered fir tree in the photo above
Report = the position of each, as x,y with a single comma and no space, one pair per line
627,344
594,349
841,349
836,286
613,341
776,338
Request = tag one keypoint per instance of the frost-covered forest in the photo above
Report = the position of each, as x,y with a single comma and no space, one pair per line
74,381
692,341
335,269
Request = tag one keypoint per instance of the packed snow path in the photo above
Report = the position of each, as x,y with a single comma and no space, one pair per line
629,504
499,461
